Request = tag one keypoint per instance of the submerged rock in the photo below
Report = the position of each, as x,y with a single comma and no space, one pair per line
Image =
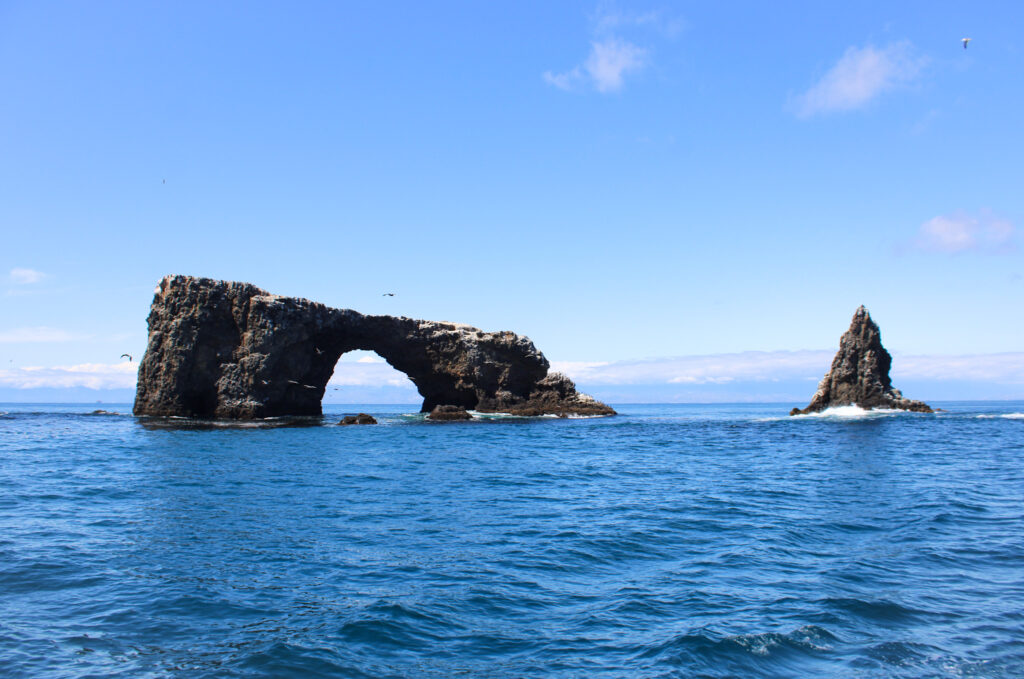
219,349
361,418
860,373
449,414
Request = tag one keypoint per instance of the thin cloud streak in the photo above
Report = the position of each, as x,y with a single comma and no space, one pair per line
860,75
89,375
681,371
606,22
368,372
20,276
709,369
38,334
771,366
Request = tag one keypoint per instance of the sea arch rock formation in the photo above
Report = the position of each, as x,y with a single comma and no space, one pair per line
230,350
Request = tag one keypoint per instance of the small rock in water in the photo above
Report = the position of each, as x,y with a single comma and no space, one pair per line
361,418
449,414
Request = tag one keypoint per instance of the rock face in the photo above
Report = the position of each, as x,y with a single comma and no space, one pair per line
449,414
860,373
230,350
361,418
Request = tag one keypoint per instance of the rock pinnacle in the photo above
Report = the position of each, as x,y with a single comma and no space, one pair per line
860,373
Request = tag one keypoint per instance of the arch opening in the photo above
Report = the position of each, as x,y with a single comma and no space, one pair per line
365,377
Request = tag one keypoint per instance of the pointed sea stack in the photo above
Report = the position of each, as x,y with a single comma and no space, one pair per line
860,373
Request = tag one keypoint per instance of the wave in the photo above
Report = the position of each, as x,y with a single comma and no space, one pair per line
477,415
851,412
730,648
1003,416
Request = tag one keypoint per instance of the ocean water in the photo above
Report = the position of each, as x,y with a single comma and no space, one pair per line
669,541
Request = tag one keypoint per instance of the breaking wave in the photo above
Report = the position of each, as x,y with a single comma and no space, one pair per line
852,413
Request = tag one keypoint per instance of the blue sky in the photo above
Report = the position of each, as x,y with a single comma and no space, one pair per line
622,182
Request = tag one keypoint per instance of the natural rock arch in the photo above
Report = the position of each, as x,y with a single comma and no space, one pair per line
231,350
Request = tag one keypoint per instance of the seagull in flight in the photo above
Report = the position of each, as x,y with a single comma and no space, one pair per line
965,41
388,294
128,356
299,384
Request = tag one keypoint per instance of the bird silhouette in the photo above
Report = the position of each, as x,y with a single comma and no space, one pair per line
128,356
965,41
388,294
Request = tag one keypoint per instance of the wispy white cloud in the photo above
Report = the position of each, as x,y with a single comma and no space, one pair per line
612,56
568,80
370,359
604,69
961,232
1003,368
25,276
861,75
609,19
39,334
89,375
610,61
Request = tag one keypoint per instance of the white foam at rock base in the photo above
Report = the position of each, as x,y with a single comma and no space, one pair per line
852,412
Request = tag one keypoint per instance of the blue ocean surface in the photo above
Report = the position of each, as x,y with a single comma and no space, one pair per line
668,541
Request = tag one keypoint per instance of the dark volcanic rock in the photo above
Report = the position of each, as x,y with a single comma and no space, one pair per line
230,350
361,418
449,414
554,395
860,373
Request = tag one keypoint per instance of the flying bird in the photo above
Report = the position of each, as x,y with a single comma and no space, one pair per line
128,356
299,384
965,41
318,351
388,294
